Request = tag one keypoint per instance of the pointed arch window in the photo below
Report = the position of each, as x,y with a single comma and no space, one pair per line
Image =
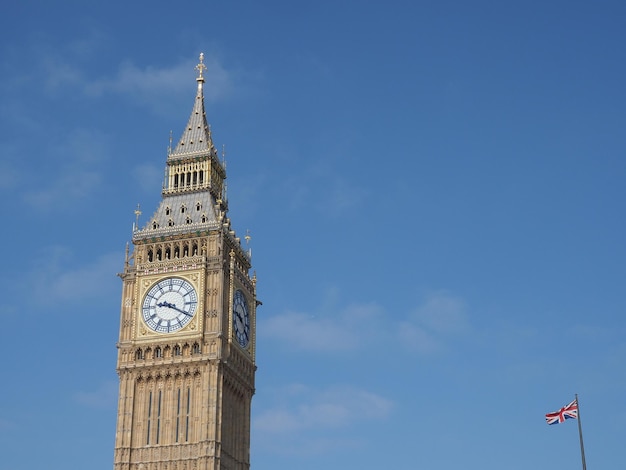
178,409
158,417
149,418
170,223
176,350
198,206
168,211
188,414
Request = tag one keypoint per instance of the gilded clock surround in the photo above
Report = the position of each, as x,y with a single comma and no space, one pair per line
150,282
185,395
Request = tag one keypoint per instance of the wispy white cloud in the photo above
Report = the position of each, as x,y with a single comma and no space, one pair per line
77,175
62,66
68,187
426,329
54,281
148,82
313,421
331,408
431,324
416,338
332,196
337,331
151,85
443,313
59,73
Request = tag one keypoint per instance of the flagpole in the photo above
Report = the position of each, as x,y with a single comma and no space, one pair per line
580,434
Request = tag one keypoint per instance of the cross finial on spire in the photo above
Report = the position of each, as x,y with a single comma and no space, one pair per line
201,67
137,214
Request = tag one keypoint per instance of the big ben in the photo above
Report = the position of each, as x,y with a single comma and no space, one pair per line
186,350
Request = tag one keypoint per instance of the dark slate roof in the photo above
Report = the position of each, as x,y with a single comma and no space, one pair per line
170,218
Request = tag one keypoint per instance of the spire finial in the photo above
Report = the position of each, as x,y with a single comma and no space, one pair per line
201,68
248,238
137,214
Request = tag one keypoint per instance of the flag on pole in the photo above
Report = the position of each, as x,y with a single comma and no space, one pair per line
567,412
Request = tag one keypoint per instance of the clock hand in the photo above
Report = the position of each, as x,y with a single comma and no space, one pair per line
179,310
165,304
173,306
183,312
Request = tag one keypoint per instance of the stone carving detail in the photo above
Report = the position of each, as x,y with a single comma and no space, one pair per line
180,382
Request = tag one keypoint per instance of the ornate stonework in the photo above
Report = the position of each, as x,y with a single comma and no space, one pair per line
186,357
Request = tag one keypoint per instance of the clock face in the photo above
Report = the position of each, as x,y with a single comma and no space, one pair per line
169,305
241,319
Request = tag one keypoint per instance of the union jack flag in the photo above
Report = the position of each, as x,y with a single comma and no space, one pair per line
567,412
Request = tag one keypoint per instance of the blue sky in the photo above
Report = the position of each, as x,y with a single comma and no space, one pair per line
435,194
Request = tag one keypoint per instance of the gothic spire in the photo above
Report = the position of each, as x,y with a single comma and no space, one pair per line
196,138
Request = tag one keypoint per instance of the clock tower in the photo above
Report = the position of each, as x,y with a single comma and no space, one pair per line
186,350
